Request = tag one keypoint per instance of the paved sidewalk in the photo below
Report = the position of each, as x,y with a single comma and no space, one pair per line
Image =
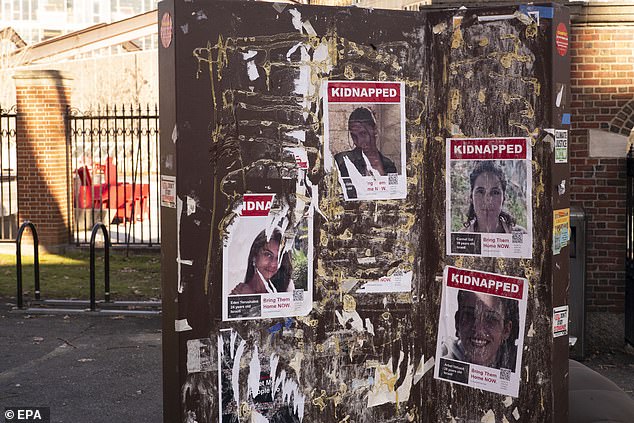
94,369
87,369
617,364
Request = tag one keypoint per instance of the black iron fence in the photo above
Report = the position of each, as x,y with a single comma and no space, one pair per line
8,174
629,250
115,169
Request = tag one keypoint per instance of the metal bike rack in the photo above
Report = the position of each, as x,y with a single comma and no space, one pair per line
79,306
106,240
36,261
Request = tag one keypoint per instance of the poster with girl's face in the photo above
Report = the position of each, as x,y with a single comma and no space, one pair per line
489,197
267,259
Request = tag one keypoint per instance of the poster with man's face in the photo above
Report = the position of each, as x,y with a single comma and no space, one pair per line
364,138
489,197
481,330
267,259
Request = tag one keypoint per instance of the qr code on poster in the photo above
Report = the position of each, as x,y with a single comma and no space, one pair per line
518,237
298,295
392,178
505,374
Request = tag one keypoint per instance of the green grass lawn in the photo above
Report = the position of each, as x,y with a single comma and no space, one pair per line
67,276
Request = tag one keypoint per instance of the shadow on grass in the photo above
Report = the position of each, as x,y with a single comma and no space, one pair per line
137,277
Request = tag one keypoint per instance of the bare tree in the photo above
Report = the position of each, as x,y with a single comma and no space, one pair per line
12,50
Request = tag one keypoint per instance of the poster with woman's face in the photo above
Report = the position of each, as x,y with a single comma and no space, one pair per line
489,197
481,330
267,259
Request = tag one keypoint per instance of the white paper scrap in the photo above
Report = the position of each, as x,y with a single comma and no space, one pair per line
181,325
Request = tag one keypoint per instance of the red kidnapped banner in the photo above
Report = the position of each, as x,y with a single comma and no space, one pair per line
257,204
364,92
487,283
488,149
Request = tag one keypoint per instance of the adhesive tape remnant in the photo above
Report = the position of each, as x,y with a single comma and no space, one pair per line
181,325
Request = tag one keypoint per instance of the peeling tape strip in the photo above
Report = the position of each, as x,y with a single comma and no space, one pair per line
565,119
516,414
275,328
175,134
490,18
179,214
279,7
308,27
508,401
544,12
181,325
423,368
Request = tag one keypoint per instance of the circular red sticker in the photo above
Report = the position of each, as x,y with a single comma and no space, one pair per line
561,39
166,30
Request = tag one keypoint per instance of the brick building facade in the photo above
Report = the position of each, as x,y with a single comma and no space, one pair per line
602,88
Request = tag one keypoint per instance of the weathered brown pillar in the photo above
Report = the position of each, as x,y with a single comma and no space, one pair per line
43,189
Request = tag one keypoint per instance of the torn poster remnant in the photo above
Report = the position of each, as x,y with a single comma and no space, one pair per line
255,387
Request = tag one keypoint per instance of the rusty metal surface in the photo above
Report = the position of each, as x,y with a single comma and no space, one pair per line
225,132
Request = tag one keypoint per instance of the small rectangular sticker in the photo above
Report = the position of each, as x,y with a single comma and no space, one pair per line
561,230
168,191
561,146
560,321
199,357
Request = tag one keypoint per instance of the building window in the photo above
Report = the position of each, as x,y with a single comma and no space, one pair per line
54,6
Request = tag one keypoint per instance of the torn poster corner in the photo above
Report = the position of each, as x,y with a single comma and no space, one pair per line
489,417
350,317
423,367
385,389
279,7
398,281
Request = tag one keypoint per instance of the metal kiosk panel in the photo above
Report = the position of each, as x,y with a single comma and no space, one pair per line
304,211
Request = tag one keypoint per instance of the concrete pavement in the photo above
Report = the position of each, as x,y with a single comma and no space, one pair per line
87,369
94,369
